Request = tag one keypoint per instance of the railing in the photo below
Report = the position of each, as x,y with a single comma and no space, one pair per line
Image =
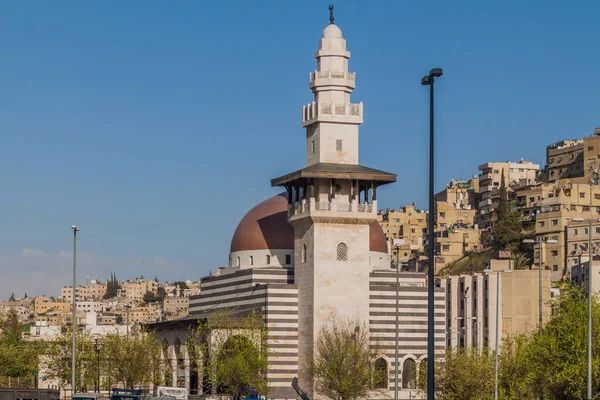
351,76
311,204
314,110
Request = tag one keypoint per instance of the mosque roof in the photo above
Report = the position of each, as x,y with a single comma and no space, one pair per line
266,227
336,171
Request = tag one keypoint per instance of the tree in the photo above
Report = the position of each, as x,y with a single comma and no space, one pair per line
520,261
507,232
112,287
161,293
12,297
463,374
58,357
132,360
25,297
182,285
239,352
343,366
150,297
516,379
18,357
502,210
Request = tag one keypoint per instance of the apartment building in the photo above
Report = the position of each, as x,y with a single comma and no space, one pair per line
135,290
94,290
89,306
516,173
572,159
144,314
465,194
471,304
580,274
550,206
449,214
404,230
176,305
24,309
44,305
453,243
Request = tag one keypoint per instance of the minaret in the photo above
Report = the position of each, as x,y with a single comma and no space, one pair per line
331,203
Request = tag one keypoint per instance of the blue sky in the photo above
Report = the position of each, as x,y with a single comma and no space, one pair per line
118,115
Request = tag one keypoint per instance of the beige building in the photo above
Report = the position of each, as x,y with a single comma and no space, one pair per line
44,305
176,305
573,159
24,308
92,291
135,290
453,243
579,274
550,207
404,228
449,214
516,173
464,194
144,314
471,305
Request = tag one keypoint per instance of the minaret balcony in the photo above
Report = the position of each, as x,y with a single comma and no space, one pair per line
332,78
312,207
332,112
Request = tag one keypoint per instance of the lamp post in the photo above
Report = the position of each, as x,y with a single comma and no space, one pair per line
428,80
75,229
397,243
589,334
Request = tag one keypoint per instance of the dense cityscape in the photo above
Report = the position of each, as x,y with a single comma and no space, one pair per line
326,295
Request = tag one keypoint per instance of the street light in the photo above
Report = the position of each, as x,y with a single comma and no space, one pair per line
397,244
428,80
97,349
589,349
75,229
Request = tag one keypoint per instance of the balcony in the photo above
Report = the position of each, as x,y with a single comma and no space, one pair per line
332,78
314,208
332,112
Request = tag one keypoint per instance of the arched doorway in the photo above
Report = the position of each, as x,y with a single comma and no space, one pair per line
409,374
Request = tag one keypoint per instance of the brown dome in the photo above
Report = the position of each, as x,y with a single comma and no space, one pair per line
266,227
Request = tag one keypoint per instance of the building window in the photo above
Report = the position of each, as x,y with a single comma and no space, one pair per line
542,223
575,232
585,231
342,252
555,267
554,222
238,262
338,145
586,208
597,230
582,195
445,248
554,253
251,260
288,259
312,147
409,374
442,215
381,372
496,171
303,253
268,259
590,148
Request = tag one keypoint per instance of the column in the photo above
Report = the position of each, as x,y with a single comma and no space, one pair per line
173,364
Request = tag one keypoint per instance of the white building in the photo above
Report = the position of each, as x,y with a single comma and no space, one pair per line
317,248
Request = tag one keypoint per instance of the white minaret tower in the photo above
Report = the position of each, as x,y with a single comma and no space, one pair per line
332,201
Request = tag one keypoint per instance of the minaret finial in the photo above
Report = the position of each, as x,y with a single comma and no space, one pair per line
331,13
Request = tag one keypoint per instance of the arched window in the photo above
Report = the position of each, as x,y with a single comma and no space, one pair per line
303,253
342,252
237,262
423,371
381,374
409,374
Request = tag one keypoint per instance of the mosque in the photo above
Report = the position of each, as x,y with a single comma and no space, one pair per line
315,249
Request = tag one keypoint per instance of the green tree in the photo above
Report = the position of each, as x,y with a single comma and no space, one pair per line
182,285
112,287
12,297
343,366
161,293
516,380
239,352
507,232
58,357
502,210
132,360
18,357
463,374
150,297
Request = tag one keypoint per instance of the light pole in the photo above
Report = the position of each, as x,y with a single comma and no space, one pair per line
397,327
75,229
428,80
97,349
589,335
